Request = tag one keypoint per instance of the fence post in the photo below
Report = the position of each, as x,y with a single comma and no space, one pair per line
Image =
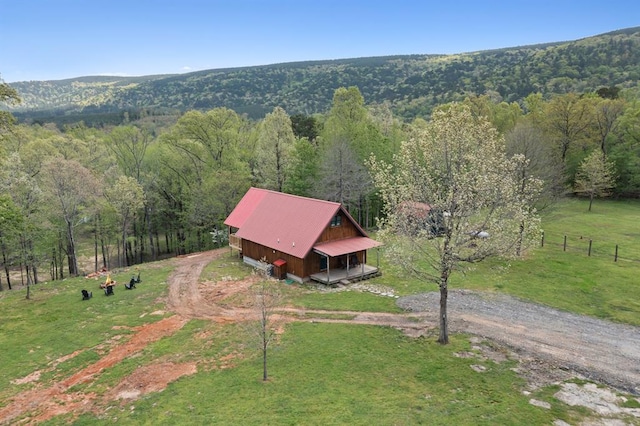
542,240
564,246
615,259
590,241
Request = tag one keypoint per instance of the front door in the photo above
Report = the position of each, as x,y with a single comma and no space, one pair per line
323,263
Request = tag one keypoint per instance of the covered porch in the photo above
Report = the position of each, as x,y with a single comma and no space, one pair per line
356,273
349,260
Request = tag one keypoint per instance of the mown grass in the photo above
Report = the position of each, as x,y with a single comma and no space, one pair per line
330,374
321,373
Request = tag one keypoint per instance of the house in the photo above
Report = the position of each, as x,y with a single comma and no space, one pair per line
417,216
302,238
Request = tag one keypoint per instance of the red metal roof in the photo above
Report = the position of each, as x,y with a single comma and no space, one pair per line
245,207
346,246
288,223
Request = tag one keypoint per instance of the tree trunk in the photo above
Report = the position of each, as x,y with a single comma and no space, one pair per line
71,251
590,200
264,362
444,322
520,239
147,214
60,258
124,244
105,264
6,267
95,245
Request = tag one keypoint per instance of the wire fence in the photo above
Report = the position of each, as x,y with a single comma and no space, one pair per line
587,246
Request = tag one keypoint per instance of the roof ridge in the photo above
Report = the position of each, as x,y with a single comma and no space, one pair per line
297,196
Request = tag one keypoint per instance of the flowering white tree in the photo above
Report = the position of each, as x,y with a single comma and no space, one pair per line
596,176
452,196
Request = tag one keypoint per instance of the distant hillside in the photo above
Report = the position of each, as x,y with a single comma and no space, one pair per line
412,84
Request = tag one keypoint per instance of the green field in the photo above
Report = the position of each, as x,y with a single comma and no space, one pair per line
321,373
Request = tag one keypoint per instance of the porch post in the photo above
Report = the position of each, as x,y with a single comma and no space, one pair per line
328,269
348,255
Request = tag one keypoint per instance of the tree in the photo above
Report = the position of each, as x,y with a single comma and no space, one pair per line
625,151
342,178
8,95
454,173
129,144
10,226
349,137
266,299
27,196
596,176
72,188
126,197
208,137
304,126
350,121
528,140
539,175
273,153
606,114
502,115
568,119
612,92
304,169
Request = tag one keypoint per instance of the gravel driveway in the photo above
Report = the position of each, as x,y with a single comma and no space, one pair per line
599,350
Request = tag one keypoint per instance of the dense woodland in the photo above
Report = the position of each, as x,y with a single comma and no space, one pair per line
161,179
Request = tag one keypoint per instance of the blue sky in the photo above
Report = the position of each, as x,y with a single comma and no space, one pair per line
57,39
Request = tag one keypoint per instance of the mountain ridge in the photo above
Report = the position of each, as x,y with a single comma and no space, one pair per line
411,84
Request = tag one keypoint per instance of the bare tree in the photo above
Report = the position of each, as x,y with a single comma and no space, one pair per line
267,298
342,178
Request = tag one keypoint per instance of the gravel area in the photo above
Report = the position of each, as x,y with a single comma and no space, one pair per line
600,350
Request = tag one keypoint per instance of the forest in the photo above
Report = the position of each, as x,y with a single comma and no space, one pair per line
76,197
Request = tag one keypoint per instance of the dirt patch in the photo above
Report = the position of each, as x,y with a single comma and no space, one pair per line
149,378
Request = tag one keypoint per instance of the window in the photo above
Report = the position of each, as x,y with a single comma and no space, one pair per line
336,221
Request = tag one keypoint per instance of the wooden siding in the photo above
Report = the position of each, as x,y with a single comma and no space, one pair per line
258,252
346,230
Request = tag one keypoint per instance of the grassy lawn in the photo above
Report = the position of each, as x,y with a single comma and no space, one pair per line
323,373
330,374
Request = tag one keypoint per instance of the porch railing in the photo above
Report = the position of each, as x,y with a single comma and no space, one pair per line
235,242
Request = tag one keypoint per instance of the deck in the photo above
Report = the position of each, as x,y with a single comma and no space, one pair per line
357,273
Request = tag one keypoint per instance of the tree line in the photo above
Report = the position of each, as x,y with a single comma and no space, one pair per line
81,198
